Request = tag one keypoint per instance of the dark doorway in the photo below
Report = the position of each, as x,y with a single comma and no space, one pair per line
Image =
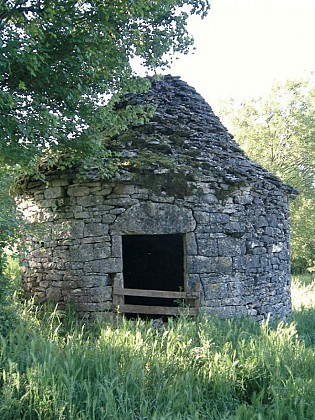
154,262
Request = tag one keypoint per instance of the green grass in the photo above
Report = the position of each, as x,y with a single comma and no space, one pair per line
53,367
303,291
303,300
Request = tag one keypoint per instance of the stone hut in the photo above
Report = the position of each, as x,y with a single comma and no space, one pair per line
187,207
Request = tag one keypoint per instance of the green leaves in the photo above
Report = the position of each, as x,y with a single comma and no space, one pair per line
279,133
59,57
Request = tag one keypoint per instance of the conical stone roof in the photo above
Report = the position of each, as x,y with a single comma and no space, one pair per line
184,136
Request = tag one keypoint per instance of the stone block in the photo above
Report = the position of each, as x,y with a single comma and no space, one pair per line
276,248
252,261
202,217
77,191
93,306
215,291
108,218
101,251
191,244
155,218
77,229
124,189
109,265
95,239
210,199
117,211
53,294
235,228
93,281
105,191
116,246
84,252
49,203
230,246
244,199
82,215
90,201
140,196
53,192
198,264
261,221
231,301
95,229
99,294
207,247
75,266
239,263
259,250
60,182
218,218
221,265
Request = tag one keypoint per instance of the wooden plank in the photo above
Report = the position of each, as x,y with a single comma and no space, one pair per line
155,310
155,293
197,301
116,298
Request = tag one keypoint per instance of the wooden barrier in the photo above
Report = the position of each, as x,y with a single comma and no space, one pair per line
191,301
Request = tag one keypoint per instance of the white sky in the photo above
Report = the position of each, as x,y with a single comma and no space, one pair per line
243,46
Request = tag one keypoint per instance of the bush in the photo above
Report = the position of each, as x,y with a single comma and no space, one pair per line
10,289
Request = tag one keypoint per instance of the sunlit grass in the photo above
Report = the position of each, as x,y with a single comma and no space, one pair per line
54,367
303,291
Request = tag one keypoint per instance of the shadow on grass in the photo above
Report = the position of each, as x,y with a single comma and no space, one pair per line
305,324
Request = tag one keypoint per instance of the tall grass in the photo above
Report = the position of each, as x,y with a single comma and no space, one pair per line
303,299
53,367
303,291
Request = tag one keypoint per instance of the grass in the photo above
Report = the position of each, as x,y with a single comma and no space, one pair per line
303,291
53,367
303,300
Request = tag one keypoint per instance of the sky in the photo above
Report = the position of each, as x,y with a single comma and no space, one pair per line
244,46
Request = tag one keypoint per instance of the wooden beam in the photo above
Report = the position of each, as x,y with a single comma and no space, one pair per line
155,293
155,310
197,301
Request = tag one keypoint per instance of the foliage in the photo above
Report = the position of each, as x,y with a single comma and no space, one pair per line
8,220
303,232
279,133
60,60
10,290
10,228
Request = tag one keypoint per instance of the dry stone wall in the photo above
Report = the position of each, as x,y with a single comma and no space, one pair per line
236,243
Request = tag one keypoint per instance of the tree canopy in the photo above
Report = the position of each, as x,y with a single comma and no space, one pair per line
279,133
59,59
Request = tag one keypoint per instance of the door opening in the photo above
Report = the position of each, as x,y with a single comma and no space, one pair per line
154,262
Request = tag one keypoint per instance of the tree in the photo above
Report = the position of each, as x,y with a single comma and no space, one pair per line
279,133
59,59
59,62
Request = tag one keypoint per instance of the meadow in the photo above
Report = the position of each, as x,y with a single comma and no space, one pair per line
54,367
